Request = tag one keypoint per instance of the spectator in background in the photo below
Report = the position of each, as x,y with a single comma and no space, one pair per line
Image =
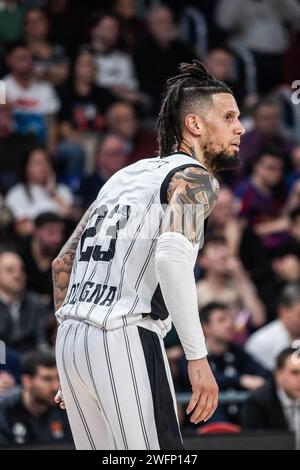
286,264
291,62
7,382
219,62
28,415
294,174
37,192
267,132
10,372
81,116
111,157
287,95
267,343
294,197
294,227
35,103
13,146
276,405
115,69
121,119
286,256
292,245
21,313
158,57
8,235
263,198
39,250
11,21
132,27
51,332
263,28
232,367
244,244
84,102
226,281
68,23
49,60
223,65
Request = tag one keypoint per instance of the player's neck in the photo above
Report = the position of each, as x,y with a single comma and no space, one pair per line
195,151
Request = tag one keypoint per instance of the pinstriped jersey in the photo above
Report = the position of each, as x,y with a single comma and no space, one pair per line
113,280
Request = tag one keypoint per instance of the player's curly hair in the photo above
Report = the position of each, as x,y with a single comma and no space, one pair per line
193,86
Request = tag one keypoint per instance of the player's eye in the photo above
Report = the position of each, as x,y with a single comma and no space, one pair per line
229,117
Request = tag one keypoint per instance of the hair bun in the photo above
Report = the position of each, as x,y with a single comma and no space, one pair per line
195,70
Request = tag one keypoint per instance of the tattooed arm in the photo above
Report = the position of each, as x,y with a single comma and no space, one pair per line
62,265
190,199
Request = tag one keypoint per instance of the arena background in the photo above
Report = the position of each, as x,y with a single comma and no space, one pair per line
81,84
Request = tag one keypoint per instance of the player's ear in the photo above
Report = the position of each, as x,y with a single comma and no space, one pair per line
193,124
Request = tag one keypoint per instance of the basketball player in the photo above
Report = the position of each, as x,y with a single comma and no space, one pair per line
127,272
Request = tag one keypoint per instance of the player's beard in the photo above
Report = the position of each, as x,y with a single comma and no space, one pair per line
221,159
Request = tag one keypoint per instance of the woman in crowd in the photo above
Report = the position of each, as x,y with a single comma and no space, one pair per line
37,192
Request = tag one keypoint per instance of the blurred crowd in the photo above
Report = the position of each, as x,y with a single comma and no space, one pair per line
83,87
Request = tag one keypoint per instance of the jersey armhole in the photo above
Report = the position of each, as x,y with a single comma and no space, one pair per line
166,181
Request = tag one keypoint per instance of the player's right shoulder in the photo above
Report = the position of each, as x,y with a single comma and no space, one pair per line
190,184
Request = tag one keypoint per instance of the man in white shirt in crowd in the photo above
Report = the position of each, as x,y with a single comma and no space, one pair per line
115,69
276,405
270,340
34,103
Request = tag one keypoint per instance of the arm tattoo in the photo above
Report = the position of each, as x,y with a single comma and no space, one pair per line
191,199
62,265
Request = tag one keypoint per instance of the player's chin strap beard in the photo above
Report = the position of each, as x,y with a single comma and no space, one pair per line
213,161
220,161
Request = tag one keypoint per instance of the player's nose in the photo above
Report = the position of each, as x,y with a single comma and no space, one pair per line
240,129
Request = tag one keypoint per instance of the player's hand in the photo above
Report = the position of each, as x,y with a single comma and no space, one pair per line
204,398
59,400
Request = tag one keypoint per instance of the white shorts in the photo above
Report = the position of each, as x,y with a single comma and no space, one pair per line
117,388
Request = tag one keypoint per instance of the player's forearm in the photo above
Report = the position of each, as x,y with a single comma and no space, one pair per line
191,199
176,277
61,271
62,265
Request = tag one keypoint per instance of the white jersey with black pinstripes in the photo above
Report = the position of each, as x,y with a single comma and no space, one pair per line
113,281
